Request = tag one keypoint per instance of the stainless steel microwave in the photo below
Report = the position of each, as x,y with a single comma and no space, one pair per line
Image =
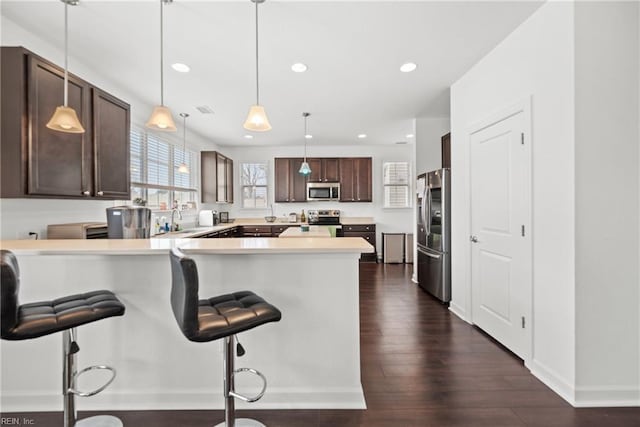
323,191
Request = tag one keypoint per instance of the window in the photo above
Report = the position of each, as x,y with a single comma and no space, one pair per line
154,172
253,179
396,184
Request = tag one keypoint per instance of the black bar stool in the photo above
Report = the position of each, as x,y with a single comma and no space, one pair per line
218,317
21,322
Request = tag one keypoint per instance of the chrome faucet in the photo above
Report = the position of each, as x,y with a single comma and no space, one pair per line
174,227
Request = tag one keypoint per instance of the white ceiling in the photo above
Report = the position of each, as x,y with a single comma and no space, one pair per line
353,50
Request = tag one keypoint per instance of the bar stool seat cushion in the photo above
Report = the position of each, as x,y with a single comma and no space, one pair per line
229,314
47,317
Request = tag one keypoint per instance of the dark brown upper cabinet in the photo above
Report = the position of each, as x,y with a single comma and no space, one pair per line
446,150
111,123
290,186
40,162
355,179
216,177
324,169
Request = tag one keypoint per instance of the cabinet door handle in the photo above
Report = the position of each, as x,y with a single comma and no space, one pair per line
100,193
86,193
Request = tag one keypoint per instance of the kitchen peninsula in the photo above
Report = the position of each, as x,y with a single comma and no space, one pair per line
311,358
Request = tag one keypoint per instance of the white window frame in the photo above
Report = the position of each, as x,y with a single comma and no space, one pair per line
145,186
243,185
407,185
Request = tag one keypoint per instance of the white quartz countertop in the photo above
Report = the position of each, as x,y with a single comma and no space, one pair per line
314,231
204,246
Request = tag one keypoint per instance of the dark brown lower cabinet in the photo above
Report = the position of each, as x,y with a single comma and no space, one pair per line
256,231
367,232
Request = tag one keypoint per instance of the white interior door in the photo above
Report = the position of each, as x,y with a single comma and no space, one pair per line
500,248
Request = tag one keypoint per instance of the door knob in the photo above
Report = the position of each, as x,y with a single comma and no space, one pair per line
473,239
86,193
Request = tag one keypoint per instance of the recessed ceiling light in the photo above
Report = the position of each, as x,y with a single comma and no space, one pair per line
362,135
308,136
249,136
299,67
181,68
409,135
408,67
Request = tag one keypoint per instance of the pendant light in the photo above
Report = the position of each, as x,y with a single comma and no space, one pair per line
65,119
183,168
257,120
305,169
161,118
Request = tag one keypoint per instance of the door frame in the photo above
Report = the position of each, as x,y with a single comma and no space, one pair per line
523,106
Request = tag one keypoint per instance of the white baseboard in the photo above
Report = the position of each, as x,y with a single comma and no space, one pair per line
607,396
459,311
189,400
551,379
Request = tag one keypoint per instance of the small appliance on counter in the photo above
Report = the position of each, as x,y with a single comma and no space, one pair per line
224,217
209,218
293,217
78,230
129,222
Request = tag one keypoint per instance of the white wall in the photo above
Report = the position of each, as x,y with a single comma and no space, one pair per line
429,131
20,216
387,220
607,190
536,61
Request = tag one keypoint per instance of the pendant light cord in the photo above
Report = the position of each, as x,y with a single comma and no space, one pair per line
257,83
305,135
66,54
184,137
162,52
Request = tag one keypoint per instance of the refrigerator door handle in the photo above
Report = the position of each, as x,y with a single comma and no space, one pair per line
428,220
430,255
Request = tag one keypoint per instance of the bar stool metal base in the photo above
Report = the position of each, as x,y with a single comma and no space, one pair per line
100,421
243,422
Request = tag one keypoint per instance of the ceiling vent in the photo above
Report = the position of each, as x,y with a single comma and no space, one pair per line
205,109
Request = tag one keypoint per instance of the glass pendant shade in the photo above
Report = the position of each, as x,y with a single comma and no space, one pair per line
305,169
161,119
257,120
65,119
183,168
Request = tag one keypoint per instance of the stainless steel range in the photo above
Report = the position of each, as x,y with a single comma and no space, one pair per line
324,217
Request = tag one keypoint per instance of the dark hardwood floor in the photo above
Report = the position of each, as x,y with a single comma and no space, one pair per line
421,366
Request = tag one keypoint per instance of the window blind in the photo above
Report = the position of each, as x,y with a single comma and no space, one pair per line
396,181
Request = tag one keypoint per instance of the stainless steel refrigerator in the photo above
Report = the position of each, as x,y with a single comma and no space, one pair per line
434,233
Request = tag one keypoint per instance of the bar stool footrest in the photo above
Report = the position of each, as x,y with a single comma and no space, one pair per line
99,389
243,422
256,397
100,421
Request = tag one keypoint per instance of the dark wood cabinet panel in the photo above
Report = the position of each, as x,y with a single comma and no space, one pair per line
347,181
324,169
290,186
111,123
59,163
355,179
216,178
256,231
40,162
229,187
363,185
367,232
446,150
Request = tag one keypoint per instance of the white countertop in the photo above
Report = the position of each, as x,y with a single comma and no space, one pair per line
314,231
205,246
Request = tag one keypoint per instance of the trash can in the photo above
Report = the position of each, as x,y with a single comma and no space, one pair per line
393,248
